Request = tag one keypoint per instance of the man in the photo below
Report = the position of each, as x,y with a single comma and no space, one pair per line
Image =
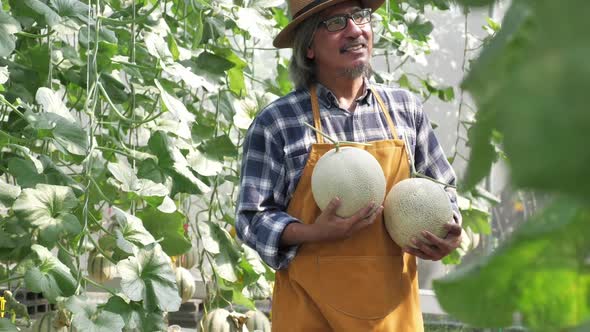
336,274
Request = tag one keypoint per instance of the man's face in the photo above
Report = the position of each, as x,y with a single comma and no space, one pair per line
345,52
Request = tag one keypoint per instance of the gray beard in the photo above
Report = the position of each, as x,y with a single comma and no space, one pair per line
358,71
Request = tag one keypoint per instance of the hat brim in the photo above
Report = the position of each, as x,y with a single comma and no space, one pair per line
285,38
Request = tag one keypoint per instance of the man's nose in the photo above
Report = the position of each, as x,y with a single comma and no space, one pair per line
353,29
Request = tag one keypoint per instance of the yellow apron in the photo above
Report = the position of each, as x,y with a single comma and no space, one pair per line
363,283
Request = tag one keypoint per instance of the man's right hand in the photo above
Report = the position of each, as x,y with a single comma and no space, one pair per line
328,226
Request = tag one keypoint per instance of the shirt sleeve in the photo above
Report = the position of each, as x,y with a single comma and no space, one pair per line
430,159
261,210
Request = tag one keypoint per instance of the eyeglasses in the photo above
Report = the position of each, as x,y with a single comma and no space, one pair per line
339,22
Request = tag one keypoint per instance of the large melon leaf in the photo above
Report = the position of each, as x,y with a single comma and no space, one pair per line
148,277
49,276
86,317
49,208
541,272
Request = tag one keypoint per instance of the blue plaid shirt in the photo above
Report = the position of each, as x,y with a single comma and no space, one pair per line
277,145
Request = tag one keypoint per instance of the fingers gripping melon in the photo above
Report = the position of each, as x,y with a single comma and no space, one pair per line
414,205
353,175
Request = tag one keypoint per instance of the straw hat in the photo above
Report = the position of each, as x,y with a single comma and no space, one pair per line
302,9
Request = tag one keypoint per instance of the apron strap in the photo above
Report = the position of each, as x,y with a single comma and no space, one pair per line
316,113
385,112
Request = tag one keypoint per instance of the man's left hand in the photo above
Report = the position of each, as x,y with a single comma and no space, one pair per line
438,247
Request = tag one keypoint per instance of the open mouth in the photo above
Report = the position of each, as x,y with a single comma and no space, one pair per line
352,48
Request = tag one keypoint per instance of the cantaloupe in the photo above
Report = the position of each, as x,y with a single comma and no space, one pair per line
353,175
219,320
257,321
415,205
100,269
186,284
48,323
188,259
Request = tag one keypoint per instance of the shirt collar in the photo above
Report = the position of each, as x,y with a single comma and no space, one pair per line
327,98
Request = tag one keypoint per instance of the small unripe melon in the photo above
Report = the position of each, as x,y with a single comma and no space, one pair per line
415,205
257,321
186,284
353,175
219,320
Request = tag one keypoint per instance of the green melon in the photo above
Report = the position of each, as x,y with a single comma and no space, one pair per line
100,269
353,175
219,320
415,205
46,323
257,321
186,284
188,259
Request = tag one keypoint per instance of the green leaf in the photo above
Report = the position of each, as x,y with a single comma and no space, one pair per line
16,240
219,147
453,258
204,165
420,28
86,317
213,63
70,8
40,11
477,220
8,27
49,208
8,194
541,272
173,47
148,277
7,326
135,316
198,32
475,3
126,180
49,276
131,233
69,136
114,88
218,242
169,227
237,84
483,154
173,163
526,73
178,112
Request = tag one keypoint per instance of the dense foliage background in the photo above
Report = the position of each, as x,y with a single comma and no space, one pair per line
120,130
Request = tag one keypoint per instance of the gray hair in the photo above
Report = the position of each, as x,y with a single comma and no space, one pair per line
302,69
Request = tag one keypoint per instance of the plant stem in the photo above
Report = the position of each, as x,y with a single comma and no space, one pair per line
5,281
97,285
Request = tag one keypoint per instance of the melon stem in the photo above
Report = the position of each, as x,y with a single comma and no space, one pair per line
420,175
335,142
416,174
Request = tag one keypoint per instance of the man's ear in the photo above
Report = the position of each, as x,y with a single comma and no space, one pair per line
310,53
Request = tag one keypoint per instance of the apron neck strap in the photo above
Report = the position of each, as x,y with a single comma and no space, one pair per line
315,107
316,113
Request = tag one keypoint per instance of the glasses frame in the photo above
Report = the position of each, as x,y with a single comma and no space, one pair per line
369,16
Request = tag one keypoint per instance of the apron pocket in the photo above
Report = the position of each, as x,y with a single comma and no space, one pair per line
365,287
